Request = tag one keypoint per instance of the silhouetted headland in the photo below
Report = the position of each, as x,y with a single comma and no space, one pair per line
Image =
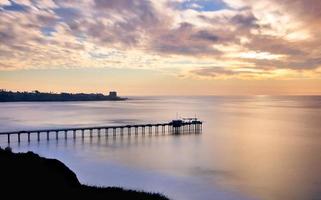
29,175
9,96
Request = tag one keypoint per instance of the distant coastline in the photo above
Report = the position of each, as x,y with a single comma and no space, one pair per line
10,96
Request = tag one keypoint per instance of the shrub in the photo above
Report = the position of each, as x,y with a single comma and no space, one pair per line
8,149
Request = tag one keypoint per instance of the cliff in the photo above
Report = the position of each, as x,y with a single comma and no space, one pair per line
9,96
28,175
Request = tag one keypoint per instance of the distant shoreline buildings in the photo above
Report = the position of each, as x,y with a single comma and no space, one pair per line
9,96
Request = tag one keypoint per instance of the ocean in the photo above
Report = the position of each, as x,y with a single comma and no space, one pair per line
251,147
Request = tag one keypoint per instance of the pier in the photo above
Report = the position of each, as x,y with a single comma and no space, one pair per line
176,127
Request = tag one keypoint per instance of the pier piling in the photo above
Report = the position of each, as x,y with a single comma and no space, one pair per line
65,135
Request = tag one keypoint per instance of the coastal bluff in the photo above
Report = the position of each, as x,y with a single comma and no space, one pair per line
28,175
10,96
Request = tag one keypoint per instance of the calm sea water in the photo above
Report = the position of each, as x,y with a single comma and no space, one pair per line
260,147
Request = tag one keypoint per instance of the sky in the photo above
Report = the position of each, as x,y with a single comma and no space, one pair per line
162,47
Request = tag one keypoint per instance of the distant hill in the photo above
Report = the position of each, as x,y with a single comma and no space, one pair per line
9,96
29,176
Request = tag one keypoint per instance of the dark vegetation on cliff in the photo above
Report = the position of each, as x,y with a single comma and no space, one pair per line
9,96
28,175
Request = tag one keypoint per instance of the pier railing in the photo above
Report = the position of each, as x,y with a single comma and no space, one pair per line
173,127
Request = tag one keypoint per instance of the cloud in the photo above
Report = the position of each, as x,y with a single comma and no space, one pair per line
186,39
205,35
214,72
263,35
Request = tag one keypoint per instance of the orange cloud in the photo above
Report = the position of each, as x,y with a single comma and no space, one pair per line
272,38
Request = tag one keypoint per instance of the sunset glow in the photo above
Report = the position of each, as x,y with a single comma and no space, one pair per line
162,47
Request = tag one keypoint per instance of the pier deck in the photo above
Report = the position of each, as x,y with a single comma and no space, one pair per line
174,127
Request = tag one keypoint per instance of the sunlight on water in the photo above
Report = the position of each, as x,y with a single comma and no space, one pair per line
261,147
